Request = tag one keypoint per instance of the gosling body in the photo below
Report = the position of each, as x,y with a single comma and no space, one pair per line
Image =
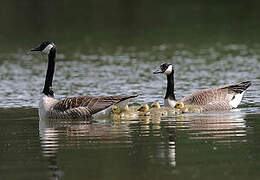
188,108
124,113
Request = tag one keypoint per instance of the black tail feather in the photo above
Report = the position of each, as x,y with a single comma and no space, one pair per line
241,87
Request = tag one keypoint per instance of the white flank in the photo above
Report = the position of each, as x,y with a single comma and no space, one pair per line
47,49
169,103
168,70
236,101
45,105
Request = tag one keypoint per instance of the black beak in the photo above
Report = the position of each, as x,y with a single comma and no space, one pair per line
36,49
139,109
157,71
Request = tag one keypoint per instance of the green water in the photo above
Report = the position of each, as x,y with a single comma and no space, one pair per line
111,48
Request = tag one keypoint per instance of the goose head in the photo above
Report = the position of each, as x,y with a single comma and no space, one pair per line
165,68
143,108
44,47
179,105
156,105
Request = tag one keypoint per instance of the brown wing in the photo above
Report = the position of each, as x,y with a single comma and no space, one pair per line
222,94
216,106
89,104
206,96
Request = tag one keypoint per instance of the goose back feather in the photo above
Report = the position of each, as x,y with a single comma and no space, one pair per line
83,107
221,98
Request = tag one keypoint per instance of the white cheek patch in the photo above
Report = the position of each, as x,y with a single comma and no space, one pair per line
168,70
47,49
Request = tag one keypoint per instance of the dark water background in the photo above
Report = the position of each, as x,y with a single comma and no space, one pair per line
111,48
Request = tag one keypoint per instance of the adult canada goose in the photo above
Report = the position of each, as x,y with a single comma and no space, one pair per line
188,108
74,107
220,98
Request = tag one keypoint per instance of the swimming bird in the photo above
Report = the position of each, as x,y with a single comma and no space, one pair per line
144,110
188,108
73,107
154,111
131,108
156,105
165,111
124,113
220,98
157,109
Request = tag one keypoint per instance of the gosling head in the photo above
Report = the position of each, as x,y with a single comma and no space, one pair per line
179,105
143,108
156,105
116,109
165,68
44,47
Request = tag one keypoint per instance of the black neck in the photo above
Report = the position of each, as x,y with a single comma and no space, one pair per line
170,87
50,72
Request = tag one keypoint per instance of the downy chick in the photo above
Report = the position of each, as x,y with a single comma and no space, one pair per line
124,113
144,110
188,108
165,111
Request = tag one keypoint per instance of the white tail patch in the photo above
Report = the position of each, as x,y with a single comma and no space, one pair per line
236,100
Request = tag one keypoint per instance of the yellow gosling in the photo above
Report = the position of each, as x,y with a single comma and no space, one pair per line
123,114
143,110
165,111
188,108
155,105
131,108
158,110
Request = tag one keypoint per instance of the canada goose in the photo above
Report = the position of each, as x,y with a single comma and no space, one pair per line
132,108
155,105
124,113
220,98
144,110
157,109
154,111
165,111
74,107
188,108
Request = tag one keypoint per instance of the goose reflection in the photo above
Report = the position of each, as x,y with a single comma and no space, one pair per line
49,144
223,127
156,127
76,133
